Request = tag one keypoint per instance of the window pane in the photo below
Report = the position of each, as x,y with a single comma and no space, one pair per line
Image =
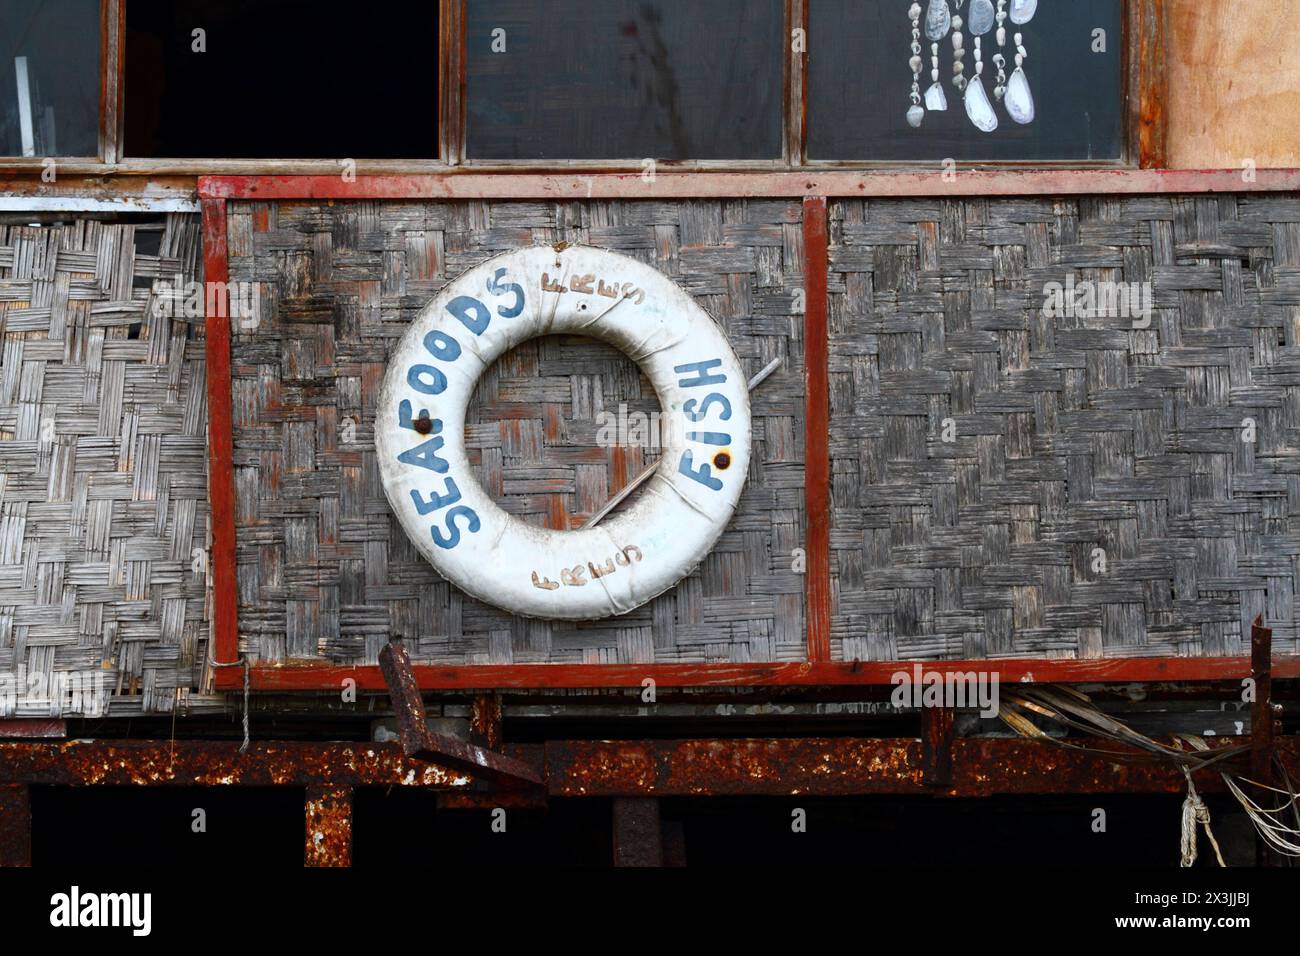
49,78
283,79
860,83
624,79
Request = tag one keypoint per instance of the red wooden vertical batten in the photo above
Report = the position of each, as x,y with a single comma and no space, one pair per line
817,468
221,462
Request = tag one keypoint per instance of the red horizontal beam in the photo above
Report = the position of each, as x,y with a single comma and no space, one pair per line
301,676
469,184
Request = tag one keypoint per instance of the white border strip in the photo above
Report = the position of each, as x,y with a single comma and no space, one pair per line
86,204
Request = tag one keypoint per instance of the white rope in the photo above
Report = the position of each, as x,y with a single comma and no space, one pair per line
1195,811
1074,709
1284,839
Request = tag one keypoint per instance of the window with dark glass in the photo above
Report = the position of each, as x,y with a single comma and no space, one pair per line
624,79
49,78
1065,104
290,79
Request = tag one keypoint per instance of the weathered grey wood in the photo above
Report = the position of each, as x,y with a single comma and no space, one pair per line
1072,433
103,456
326,573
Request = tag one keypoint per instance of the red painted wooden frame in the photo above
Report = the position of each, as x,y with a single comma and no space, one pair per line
814,188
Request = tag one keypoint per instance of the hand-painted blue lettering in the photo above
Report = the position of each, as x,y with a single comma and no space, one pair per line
442,346
406,420
450,541
437,501
426,456
497,287
701,474
711,399
702,374
473,314
709,438
437,381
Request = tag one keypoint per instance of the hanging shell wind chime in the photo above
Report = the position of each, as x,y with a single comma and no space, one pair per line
982,20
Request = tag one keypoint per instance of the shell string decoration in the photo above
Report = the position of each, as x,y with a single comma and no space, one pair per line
916,113
983,19
1020,101
999,58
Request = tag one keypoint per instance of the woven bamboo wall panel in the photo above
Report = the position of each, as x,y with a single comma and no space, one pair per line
1007,482
324,570
103,483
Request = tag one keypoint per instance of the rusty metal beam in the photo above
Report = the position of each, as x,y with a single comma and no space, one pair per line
485,721
1261,711
1262,727
329,826
981,767
937,733
423,744
15,825
206,763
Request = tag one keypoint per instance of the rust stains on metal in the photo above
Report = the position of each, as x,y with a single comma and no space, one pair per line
981,767
329,826
937,731
422,744
733,767
1261,711
485,721
986,766
209,763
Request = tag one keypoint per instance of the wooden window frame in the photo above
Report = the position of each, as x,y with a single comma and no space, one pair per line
111,13
1144,82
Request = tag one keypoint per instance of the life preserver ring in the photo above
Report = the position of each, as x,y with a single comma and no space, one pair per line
634,554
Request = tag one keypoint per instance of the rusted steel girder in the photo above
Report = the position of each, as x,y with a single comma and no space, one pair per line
1265,722
422,744
981,766
206,763
1262,714
485,715
329,826
938,727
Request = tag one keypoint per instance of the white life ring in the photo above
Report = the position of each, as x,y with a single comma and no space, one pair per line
634,554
